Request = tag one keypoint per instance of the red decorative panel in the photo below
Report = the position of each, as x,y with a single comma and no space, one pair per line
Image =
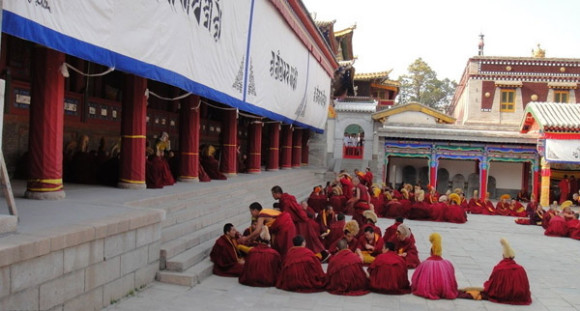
487,101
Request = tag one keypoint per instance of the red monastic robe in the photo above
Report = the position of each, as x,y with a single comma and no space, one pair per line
389,274
408,246
289,204
503,208
351,245
557,227
262,267
377,244
282,229
434,278
391,231
224,256
455,214
301,272
317,201
336,233
508,283
345,274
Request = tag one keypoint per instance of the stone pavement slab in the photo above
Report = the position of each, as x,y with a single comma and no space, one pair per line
552,264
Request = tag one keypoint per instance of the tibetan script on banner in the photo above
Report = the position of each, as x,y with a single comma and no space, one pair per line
208,14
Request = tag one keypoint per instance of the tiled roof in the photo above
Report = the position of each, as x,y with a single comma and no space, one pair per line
324,23
345,31
555,116
372,75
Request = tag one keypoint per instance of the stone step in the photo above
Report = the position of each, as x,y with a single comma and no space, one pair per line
190,277
190,257
210,233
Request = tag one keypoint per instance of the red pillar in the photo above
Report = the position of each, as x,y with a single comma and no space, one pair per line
46,126
286,156
297,148
305,149
229,159
255,146
526,176
433,166
133,131
483,178
189,139
274,150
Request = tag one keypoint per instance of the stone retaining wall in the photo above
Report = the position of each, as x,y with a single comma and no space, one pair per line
85,266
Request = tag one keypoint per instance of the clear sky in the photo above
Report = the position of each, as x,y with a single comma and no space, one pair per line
445,33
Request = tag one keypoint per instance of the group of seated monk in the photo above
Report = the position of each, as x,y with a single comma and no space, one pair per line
301,270
352,196
559,221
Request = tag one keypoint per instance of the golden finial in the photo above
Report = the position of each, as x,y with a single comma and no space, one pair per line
539,52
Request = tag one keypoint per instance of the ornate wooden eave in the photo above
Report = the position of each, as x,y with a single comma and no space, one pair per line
382,115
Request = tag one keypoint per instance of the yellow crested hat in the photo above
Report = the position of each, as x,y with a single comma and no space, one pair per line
352,227
566,204
455,198
505,197
435,239
370,215
508,252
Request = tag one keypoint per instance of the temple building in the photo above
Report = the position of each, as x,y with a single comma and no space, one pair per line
482,143
243,84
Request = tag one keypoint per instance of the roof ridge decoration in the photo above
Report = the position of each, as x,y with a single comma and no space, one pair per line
373,75
345,31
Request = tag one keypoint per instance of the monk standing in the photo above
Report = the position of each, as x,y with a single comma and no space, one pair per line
301,270
300,218
345,274
224,254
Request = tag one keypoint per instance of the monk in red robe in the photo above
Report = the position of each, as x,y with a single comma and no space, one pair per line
317,199
360,201
454,212
391,231
210,164
345,274
350,232
508,282
288,203
388,274
262,263
224,254
279,224
301,270
325,218
488,208
370,221
564,186
503,206
405,246
335,231
475,206
370,245
517,209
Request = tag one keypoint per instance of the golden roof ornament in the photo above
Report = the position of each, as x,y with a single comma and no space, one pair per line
539,52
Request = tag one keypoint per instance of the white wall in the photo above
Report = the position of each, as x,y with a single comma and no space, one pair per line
508,175
413,117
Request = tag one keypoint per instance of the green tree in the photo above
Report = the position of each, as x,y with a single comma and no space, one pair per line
421,85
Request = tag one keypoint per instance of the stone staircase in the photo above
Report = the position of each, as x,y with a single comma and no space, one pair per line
195,219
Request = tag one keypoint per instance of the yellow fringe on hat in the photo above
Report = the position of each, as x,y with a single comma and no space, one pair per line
352,227
566,204
435,239
508,252
455,197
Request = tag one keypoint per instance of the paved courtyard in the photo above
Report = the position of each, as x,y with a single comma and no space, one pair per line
552,264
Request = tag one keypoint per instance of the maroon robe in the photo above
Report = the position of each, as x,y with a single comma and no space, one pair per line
455,214
574,229
262,267
289,204
408,246
557,227
211,167
282,230
475,206
377,244
508,283
338,203
389,274
336,233
224,256
157,173
503,209
333,247
391,231
318,202
301,272
345,274
325,220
